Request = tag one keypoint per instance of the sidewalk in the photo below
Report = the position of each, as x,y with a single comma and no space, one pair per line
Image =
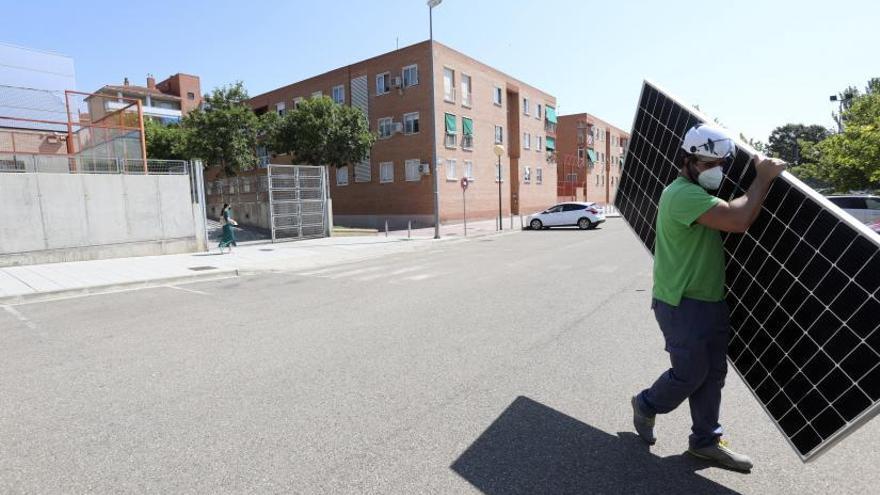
53,280
456,230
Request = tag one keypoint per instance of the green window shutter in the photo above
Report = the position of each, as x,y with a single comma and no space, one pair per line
467,126
551,143
592,155
550,114
450,123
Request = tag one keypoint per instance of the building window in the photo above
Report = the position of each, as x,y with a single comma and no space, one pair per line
580,153
467,133
297,101
412,170
279,107
339,94
538,111
411,123
450,124
190,96
527,140
538,146
450,169
466,90
342,176
469,169
449,84
386,125
527,174
525,106
496,96
539,175
317,94
410,75
597,179
386,172
499,134
383,83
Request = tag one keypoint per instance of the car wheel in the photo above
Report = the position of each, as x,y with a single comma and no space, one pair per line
536,224
585,223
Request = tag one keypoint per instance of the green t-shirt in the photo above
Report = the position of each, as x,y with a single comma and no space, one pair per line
688,257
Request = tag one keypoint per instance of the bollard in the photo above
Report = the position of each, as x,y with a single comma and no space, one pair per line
511,221
409,229
386,228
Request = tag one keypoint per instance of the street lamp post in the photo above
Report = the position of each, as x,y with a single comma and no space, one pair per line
434,164
843,100
499,150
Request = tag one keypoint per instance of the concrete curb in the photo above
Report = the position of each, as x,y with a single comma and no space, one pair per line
105,288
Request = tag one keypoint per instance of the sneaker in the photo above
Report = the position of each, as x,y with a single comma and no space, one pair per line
721,453
643,423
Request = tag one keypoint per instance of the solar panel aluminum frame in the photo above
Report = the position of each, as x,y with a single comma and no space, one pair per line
810,194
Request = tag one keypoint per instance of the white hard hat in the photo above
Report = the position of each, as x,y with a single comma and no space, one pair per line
708,141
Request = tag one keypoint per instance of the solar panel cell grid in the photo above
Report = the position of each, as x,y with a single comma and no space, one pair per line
802,285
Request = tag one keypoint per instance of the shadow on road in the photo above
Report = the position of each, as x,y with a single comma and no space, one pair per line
532,448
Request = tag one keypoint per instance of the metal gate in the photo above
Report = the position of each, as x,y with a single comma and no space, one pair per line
297,201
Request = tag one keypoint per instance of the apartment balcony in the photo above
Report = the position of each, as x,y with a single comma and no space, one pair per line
163,114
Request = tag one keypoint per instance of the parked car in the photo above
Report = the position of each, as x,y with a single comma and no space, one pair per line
875,227
583,215
866,208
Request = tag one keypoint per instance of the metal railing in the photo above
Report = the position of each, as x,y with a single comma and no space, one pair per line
67,164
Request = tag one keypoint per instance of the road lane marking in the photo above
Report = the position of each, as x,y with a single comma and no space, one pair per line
406,270
188,290
22,318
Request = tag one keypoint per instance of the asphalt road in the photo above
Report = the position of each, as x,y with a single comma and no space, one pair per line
499,365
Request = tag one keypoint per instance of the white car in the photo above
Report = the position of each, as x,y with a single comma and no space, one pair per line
583,215
864,207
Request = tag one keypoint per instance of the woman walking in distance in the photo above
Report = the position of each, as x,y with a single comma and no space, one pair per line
228,239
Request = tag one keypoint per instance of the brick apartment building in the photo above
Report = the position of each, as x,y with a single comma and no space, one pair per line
167,101
590,158
474,107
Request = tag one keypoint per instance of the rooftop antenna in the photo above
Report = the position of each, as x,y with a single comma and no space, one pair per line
397,43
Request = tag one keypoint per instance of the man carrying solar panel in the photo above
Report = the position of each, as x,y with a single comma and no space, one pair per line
688,295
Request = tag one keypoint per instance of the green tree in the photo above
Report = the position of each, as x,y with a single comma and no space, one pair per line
785,141
851,159
166,142
225,132
321,132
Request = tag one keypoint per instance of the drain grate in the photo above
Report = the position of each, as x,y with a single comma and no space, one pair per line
202,268
267,249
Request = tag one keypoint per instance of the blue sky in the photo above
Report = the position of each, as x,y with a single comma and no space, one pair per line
752,64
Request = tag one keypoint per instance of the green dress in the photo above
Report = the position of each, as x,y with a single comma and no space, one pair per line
228,238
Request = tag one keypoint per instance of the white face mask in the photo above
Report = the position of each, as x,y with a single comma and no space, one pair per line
711,179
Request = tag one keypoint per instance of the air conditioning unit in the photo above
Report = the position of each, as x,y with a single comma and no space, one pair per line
425,168
397,127
395,82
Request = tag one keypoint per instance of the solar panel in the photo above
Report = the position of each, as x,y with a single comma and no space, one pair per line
802,284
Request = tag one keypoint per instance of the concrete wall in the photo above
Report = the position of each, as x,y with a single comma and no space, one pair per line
69,217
